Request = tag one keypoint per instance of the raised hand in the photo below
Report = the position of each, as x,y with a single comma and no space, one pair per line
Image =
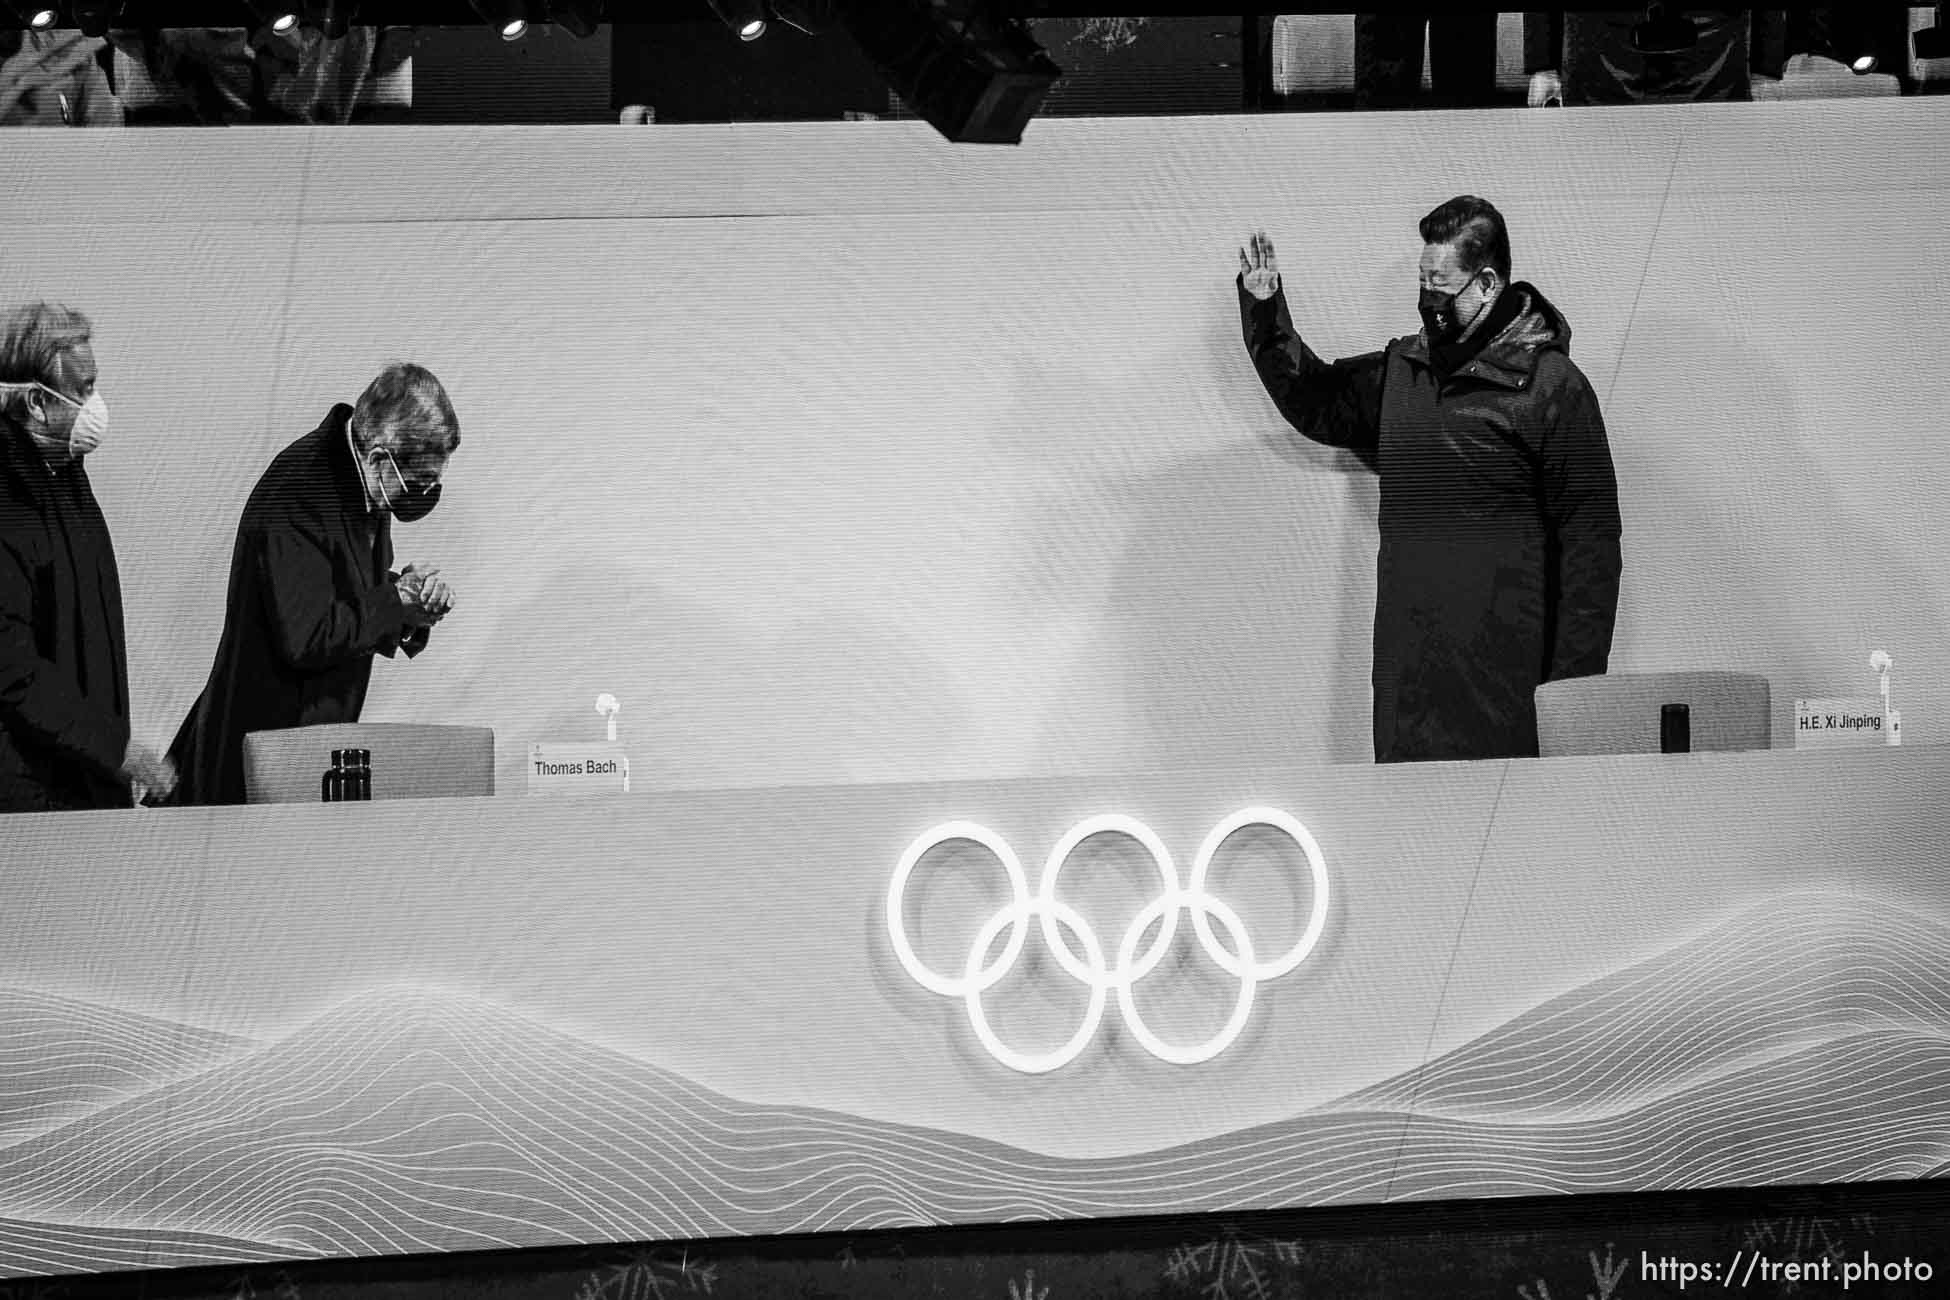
1259,269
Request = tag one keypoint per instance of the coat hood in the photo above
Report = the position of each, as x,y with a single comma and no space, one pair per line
1539,327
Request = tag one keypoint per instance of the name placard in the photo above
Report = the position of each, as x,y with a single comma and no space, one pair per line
569,767
1839,723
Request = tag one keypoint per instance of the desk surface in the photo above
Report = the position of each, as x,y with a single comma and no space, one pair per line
528,1020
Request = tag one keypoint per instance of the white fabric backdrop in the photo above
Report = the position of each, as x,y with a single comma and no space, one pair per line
840,453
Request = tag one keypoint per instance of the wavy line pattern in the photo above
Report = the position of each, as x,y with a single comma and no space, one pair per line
1807,969
1806,1041
33,1249
1874,1105
61,1058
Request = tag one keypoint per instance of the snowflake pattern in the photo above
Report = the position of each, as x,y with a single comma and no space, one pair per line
1231,1266
37,1289
250,1288
849,1257
650,1275
1606,1275
1806,1238
1027,1291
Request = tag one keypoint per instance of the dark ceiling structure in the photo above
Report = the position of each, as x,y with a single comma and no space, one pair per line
969,67
463,13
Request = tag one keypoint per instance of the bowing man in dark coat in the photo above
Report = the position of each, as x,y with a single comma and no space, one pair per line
1499,563
313,595
64,678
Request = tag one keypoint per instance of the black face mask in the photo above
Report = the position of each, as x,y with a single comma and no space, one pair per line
413,502
1438,311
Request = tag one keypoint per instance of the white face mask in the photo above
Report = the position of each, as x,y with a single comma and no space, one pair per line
90,422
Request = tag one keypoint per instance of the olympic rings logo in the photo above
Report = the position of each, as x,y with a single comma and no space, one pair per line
979,975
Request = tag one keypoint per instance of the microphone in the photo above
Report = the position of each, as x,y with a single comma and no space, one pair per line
607,706
1892,723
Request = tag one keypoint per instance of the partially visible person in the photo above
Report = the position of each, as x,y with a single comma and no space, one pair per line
64,678
1388,59
215,76
313,595
53,78
1581,59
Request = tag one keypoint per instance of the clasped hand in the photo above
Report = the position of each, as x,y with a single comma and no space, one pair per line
424,594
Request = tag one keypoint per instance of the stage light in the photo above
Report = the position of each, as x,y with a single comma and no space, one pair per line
95,17
1664,32
38,16
508,17
279,15
746,17
1934,42
1862,39
579,18
974,75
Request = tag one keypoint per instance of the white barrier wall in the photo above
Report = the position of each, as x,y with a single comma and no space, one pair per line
409,1026
840,453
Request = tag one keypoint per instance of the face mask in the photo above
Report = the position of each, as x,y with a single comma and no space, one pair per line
90,423
1438,312
412,502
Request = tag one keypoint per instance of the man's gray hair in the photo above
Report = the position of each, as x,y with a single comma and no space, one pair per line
406,411
33,339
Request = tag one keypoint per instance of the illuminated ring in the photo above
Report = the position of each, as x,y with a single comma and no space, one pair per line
979,975
1015,915
1108,824
1198,905
948,986
1317,864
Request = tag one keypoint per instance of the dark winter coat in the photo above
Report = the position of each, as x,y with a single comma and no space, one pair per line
312,600
64,677
1499,561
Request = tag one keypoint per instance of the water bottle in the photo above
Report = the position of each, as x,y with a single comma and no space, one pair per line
331,786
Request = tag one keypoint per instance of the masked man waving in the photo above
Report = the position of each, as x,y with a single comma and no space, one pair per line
1499,560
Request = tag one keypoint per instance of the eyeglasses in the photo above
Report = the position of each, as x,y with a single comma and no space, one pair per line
32,384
